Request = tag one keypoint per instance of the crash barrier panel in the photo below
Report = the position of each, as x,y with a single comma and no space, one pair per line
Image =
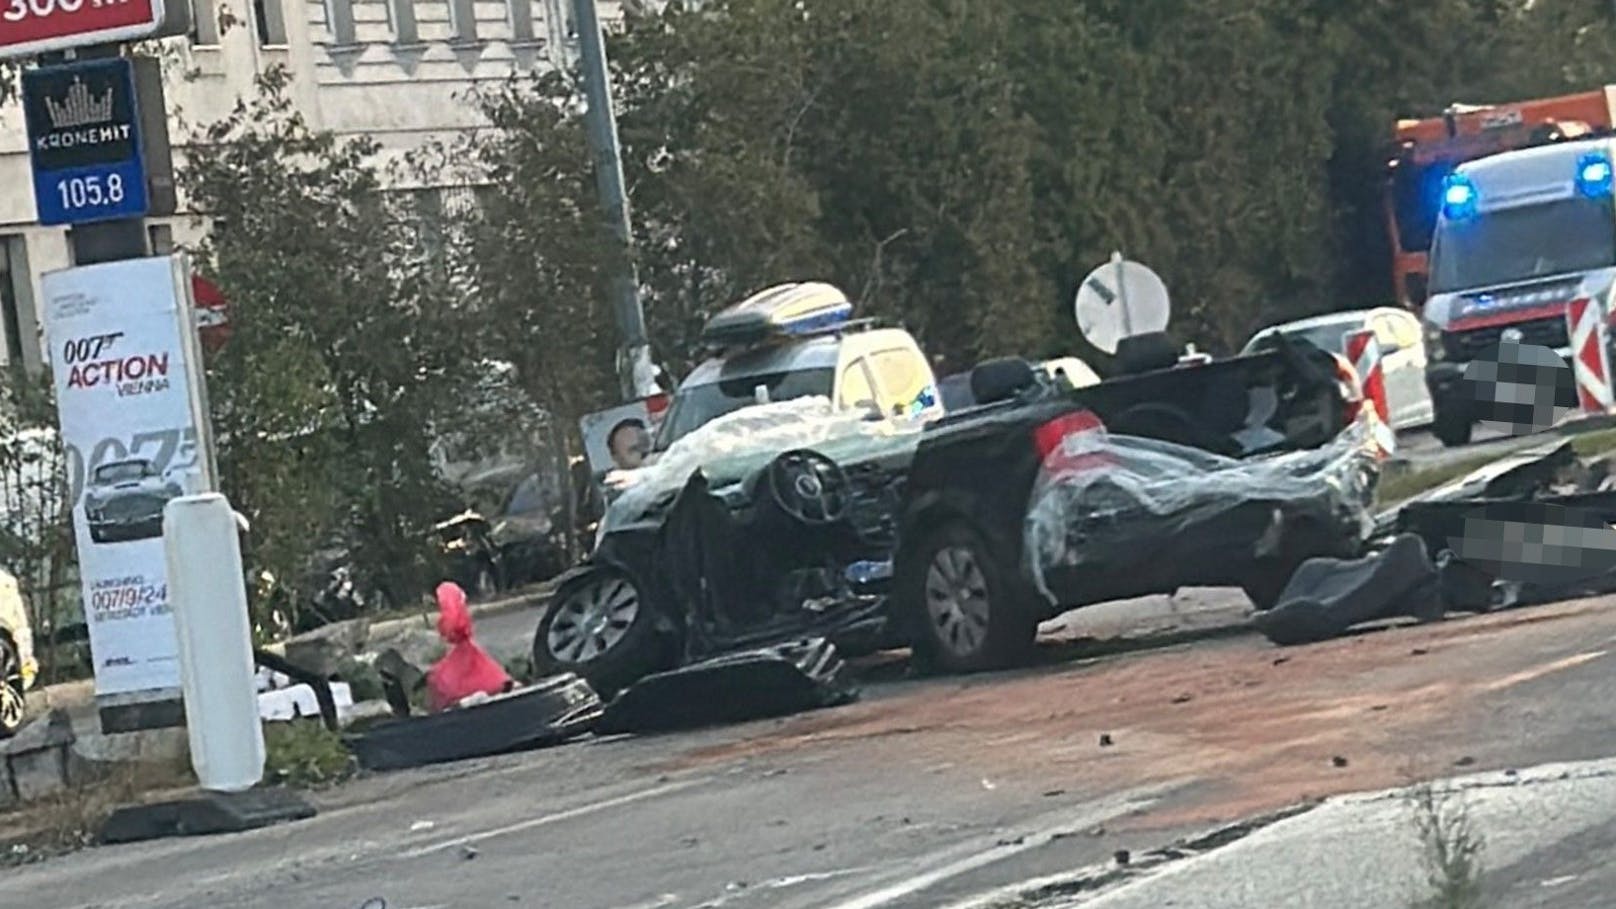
1364,353
1590,358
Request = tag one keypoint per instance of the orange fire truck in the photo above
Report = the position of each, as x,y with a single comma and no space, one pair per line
1426,151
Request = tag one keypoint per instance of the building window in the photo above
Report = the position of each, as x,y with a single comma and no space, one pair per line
10,315
160,237
463,20
204,24
401,18
521,20
339,21
270,18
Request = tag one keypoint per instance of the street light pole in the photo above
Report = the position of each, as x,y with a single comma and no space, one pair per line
634,367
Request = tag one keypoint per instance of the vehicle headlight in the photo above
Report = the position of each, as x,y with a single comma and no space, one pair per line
1434,348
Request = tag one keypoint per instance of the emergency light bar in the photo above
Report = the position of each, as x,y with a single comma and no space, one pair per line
1594,175
1458,197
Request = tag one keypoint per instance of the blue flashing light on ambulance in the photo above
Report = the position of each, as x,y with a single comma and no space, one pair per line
1519,236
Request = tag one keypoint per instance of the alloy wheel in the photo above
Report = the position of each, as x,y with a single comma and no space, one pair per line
957,600
593,620
12,703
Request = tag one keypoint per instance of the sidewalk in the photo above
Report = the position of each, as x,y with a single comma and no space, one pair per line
1545,835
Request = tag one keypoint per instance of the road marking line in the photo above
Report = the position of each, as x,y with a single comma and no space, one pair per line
543,820
1538,672
1039,839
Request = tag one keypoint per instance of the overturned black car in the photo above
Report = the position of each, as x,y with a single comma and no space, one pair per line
954,537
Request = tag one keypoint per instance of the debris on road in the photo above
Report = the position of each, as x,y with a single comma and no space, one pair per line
467,669
549,712
1325,597
754,684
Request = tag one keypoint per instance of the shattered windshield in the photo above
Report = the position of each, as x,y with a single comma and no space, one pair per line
1518,244
696,405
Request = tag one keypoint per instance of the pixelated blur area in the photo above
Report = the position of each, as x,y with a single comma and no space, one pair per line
1520,388
1537,543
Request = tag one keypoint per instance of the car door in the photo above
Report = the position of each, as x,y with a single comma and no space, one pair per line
901,378
854,389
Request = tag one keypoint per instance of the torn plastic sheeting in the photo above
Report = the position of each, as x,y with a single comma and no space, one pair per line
733,446
1103,496
1325,597
548,712
754,684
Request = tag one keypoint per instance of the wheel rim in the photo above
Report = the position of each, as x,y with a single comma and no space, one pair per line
957,600
593,620
11,693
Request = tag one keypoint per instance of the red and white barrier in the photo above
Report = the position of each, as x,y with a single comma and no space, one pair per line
1364,352
1590,360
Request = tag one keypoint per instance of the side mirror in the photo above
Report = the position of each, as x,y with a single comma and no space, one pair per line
870,409
1389,346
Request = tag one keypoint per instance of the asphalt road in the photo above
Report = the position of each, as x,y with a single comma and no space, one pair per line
938,792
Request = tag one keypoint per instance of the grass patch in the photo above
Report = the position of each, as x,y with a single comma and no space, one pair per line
305,754
1450,849
1400,487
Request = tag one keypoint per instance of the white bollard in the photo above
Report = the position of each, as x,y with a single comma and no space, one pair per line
207,592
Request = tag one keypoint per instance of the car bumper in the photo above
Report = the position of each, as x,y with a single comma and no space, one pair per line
1443,378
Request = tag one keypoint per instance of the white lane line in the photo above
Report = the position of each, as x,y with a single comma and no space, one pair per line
1035,840
543,820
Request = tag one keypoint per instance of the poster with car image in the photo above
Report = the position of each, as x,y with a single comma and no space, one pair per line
118,361
621,437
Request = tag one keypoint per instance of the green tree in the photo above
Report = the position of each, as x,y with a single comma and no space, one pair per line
350,349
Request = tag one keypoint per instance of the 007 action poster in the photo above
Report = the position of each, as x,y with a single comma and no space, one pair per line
123,399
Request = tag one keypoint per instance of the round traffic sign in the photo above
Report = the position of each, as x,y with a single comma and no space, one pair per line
1121,299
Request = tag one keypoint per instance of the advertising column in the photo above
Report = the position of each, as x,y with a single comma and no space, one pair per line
118,350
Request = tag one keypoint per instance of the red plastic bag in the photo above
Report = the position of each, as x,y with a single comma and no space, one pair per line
466,669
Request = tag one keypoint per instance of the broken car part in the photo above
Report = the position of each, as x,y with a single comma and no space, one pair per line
754,684
1325,597
548,712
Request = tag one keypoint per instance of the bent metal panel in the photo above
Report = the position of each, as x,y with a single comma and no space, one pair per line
123,397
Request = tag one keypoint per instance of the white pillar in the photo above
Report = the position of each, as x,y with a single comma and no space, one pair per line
207,592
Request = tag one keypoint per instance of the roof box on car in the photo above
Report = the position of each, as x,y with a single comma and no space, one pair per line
785,310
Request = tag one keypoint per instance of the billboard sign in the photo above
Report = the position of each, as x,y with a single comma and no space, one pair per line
84,141
620,438
30,27
120,357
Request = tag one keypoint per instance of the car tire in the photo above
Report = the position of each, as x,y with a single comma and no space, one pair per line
1452,427
13,696
624,644
964,610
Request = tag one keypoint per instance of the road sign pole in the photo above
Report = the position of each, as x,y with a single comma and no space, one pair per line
601,126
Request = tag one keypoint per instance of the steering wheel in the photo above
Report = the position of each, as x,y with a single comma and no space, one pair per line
809,487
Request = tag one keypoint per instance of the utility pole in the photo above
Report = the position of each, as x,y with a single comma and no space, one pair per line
634,368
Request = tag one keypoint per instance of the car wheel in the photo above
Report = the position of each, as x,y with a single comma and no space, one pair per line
13,703
600,627
966,614
1451,427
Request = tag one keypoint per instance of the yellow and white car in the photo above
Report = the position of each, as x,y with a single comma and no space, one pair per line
17,665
